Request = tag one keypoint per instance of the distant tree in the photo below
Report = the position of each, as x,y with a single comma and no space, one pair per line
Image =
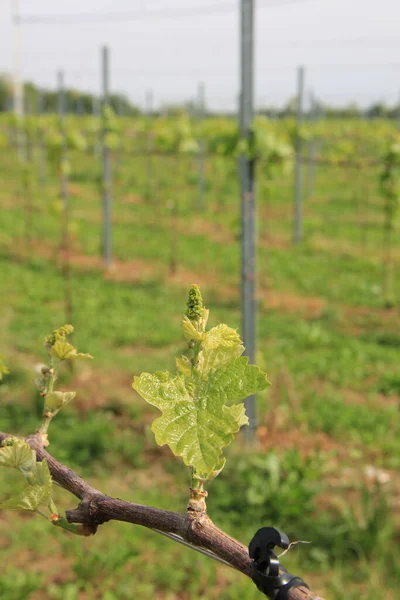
378,110
6,92
77,102
289,110
122,106
30,98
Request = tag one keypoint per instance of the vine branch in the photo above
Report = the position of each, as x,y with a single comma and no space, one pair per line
194,527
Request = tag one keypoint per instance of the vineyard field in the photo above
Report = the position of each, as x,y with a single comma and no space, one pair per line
327,460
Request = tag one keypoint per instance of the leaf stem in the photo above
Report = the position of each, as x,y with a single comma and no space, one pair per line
197,497
42,514
47,416
60,521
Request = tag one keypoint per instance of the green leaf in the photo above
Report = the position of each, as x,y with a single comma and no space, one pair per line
56,400
189,330
184,365
235,380
3,369
29,499
42,474
196,422
212,474
201,405
223,336
18,456
23,458
63,350
221,344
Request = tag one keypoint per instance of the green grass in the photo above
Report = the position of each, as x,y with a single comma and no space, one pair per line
330,347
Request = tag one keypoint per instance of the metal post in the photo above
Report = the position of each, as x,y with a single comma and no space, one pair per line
312,147
18,87
150,146
61,107
61,96
202,145
41,148
248,206
96,113
106,164
298,186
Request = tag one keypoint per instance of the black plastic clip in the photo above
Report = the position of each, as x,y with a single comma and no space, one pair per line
268,574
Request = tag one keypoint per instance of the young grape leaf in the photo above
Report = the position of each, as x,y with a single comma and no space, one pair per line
200,414
189,330
42,474
184,365
23,458
3,369
220,345
29,499
63,350
19,456
56,400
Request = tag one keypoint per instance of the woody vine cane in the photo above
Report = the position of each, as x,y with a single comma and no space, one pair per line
201,413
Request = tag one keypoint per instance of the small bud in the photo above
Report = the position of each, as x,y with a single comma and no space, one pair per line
58,334
41,384
195,305
11,441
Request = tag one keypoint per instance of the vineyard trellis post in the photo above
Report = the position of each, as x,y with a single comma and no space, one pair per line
61,107
41,146
107,252
18,88
96,113
150,145
201,93
248,205
312,147
298,182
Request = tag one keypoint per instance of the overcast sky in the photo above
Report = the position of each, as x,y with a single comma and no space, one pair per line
350,48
